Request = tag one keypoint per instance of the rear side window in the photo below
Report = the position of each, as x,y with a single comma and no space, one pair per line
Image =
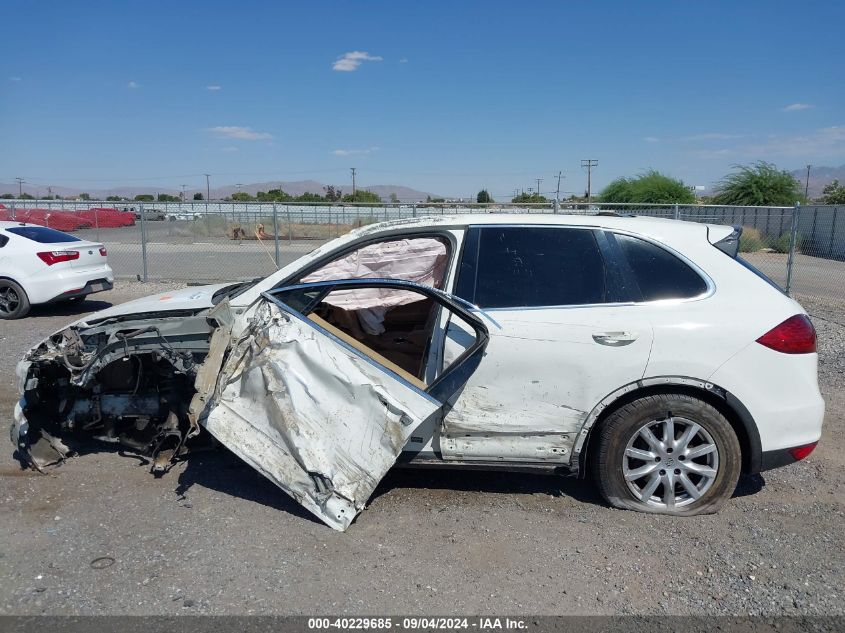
42,234
659,273
3,240
532,266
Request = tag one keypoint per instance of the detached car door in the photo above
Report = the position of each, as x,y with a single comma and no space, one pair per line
321,392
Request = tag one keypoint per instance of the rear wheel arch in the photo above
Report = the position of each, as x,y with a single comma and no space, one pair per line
722,400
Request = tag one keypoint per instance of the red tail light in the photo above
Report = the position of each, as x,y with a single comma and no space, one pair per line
55,257
796,335
800,452
103,251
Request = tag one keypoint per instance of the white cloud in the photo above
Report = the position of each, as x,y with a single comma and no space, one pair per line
15,78
795,107
651,139
404,60
239,133
710,136
354,152
132,85
214,87
828,142
349,62
231,148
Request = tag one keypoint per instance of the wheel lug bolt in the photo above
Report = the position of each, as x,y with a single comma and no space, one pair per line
668,450
662,472
682,457
657,459
677,471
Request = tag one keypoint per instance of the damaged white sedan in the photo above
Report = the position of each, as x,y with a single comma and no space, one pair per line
642,351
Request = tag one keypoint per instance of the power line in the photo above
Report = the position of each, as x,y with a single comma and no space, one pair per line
589,163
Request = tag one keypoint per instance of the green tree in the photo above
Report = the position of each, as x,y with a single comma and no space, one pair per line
166,197
7,196
144,197
274,195
529,198
484,197
114,198
394,198
242,196
761,184
309,197
649,187
84,196
27,196
333,194
833,193
362,196
198,196
434,200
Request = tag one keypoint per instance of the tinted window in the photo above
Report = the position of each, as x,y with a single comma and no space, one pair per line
42,234
659,274
3,240
535,266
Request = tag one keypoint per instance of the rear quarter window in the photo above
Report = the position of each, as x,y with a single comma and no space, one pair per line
42,234
659,273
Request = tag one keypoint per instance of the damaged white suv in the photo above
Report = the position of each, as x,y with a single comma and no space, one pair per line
642,351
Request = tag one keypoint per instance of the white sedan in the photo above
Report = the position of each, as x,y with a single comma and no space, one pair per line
642,352
43,265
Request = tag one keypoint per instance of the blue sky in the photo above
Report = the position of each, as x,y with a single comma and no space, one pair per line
446,97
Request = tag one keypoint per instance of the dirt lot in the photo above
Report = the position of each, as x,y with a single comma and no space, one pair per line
100,535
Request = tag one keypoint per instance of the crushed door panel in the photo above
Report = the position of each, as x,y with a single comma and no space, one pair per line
321,417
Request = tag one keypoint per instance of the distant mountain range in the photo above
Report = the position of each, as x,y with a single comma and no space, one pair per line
819,177
295,188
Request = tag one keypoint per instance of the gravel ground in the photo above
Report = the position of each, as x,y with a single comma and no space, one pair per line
100,535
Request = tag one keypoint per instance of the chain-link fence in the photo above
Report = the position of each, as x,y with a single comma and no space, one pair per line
800,248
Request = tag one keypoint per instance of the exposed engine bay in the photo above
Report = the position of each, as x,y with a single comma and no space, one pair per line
128,382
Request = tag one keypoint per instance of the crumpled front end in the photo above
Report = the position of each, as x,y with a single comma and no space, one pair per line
124,381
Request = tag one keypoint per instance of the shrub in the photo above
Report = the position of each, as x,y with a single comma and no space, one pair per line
751,240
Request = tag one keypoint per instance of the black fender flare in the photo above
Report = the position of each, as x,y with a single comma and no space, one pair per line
738,415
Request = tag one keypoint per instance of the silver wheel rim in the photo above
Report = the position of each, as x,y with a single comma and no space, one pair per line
670,463
9,300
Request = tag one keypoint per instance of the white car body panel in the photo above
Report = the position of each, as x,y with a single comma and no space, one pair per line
314,416
562,372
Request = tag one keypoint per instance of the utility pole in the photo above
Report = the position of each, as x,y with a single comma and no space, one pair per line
807,184
20,186
538,180
183,192
352,169
589,163
557,193
239,185
207,187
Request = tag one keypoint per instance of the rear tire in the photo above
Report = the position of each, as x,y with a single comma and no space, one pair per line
14,303
667,454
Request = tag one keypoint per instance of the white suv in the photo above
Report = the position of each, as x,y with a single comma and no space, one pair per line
641,351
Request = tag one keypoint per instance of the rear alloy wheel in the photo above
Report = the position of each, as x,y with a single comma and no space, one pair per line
14,303
668,454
